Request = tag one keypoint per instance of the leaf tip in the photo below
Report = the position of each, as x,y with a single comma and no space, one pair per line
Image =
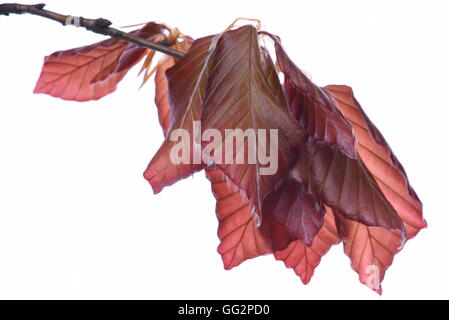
154,183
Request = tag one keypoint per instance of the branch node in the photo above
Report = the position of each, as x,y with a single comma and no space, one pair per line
102,23
39,6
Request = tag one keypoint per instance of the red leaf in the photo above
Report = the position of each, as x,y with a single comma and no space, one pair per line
312,106
290,204
91,72
381,161
187,81
241,238
345,185
293,207
239,69
371,250
272,77
304,259
161,97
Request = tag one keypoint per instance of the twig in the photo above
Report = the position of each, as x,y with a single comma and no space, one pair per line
101,26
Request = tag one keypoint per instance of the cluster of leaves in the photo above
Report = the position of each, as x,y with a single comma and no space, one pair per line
337,178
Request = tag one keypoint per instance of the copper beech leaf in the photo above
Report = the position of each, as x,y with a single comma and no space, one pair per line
92,72
381,161
239,96
292,206
372,249
241,238
304,259
272,76
187,82
345,185
161,96
320,117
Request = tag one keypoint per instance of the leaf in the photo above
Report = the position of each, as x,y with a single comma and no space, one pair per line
312,107
161,97
381,161
272,77
345,185
290,204
92,72
304,259
293,207
371,250
239,96
241,238
187,82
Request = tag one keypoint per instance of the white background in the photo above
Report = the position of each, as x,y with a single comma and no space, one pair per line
77,219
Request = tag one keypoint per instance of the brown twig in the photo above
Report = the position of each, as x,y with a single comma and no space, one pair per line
100,26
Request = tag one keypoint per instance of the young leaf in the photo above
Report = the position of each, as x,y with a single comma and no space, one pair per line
161,96
304,259
241,238
91,72
381,161
239,96
312,107
187,82
345,185
293,207
371,249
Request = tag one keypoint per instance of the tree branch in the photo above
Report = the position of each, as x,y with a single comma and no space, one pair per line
100,26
